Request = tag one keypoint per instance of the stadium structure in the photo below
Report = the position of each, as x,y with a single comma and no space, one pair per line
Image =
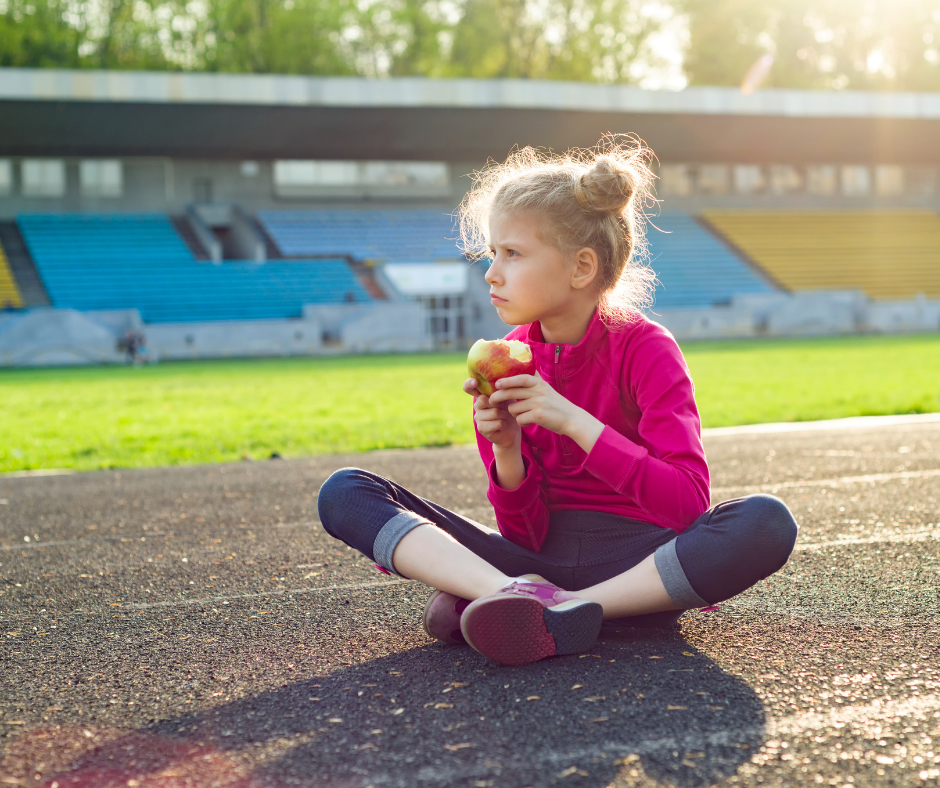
210,215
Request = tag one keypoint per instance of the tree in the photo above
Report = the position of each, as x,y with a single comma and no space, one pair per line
859,44
124,34
582,40
37,35
277,36
95,34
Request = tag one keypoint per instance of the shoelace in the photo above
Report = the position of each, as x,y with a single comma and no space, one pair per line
527,588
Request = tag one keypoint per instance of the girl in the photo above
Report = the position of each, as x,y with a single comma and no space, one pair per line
596,469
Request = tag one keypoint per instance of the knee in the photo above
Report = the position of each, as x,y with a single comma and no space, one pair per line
772,528
335,496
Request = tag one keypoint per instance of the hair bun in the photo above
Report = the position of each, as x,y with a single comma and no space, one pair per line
607,187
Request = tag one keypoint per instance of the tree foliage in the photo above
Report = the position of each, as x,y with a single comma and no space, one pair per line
273,36
863,44
38,35
857,44
583,40
68,34
591,40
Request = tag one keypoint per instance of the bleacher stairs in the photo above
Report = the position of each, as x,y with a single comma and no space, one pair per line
185,231
9,292
21,268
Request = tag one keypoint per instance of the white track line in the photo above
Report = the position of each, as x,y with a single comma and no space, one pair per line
817,615
132,537
850,423
117,537
38,472
914,536
869,478
280,592
219,599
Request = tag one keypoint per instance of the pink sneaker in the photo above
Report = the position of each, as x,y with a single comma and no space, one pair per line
525,622
442,614
442,617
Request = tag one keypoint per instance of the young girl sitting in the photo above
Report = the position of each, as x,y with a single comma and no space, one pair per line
595,464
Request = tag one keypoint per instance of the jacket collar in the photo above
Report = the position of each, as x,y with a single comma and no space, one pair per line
572,357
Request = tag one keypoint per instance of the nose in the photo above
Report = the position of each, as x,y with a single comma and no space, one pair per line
492,274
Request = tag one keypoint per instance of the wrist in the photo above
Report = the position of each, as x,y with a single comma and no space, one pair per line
584,430
508,451
510,468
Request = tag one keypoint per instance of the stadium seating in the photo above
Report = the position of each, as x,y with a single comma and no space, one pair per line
694,268
391,236
889,255
121,261
9,292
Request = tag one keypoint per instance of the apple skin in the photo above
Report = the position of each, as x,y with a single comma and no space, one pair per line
492,360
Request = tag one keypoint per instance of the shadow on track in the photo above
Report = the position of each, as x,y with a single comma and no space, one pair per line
643,707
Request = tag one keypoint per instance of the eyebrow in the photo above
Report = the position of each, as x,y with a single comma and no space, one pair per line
512,243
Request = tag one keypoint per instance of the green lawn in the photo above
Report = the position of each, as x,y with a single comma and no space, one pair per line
187,413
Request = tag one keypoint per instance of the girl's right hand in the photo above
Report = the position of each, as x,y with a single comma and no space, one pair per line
494,422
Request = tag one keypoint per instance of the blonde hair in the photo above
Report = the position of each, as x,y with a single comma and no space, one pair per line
585,198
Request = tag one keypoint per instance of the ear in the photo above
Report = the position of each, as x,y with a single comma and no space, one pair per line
586,268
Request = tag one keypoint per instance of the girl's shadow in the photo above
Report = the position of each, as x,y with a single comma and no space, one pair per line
644,705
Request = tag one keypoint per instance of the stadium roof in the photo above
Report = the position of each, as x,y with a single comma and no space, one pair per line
127,113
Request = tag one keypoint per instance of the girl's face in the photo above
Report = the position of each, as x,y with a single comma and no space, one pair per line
529,280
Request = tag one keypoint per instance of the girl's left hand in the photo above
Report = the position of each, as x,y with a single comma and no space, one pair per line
536,403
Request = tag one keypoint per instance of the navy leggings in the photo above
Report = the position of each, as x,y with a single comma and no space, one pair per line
728,549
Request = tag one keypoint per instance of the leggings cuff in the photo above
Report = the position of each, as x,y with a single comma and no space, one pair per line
391,534
674,578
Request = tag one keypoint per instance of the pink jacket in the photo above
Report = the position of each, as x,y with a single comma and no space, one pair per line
648,463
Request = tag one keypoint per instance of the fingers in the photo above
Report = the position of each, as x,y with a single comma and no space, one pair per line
516,387
491,421
517,381
482,402
525,411
471,387
487,415
508,395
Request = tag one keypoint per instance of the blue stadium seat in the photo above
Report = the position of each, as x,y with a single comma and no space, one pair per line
392,236
122,261
694,267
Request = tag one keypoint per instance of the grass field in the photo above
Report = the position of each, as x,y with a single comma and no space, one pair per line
190,413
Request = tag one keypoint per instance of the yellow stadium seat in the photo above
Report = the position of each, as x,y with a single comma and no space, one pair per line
889,255
9,292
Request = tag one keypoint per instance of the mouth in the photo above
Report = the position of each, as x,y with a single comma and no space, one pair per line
496,299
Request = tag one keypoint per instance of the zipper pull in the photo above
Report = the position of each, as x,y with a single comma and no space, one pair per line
557,353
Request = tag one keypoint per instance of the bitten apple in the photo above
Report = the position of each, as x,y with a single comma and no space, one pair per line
492,360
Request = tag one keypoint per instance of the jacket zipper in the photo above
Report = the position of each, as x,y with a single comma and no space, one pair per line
565,449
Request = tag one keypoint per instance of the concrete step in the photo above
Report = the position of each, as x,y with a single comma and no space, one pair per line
22,266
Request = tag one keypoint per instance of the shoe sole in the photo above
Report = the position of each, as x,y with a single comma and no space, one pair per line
517,631
437,593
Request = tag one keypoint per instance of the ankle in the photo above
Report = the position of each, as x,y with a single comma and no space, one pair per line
494,586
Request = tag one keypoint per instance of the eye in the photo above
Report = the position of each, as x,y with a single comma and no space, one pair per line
512,253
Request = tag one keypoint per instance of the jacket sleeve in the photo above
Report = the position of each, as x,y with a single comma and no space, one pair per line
664,470
521,514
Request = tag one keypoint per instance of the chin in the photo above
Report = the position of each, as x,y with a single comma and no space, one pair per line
512,318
